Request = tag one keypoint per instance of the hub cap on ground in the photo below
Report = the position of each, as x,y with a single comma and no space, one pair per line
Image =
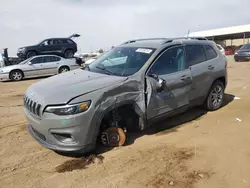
64,70
216,96
113,137
17,76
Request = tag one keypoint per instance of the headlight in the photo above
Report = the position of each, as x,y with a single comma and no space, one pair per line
236,53
68,109
21,49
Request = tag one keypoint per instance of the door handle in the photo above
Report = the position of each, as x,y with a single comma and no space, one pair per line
185,77
210,67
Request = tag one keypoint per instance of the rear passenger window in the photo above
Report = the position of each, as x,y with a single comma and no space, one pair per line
211,53
195,54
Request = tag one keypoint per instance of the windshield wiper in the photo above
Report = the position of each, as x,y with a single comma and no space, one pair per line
106,70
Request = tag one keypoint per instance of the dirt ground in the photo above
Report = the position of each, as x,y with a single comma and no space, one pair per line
196,149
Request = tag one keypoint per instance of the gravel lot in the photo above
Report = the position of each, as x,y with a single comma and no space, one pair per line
195,149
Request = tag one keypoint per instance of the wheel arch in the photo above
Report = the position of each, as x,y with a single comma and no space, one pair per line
62,67
112,107
16,70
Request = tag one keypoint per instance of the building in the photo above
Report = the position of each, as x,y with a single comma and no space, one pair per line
229,36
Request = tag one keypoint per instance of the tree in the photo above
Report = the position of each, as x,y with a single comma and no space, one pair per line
100,51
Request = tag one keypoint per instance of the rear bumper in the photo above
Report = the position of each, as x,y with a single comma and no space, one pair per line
242,58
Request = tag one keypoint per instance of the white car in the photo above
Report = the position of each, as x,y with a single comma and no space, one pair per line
2,64
221,49
43,65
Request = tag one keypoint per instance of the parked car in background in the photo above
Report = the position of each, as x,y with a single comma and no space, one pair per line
229,50
64,47
2,63
36,66
128,88
243,54
222,50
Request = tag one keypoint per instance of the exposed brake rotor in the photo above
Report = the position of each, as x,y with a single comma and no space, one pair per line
113,137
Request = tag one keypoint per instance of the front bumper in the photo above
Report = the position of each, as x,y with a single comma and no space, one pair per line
4,76
242,57
44,130
20,54
42,140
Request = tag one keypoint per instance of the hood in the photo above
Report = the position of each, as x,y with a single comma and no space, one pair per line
32,46
243,50
7,69
61,88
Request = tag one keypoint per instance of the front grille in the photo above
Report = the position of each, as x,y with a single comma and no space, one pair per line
32,106
39,134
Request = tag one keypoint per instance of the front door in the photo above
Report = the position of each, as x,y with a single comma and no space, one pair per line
47,47
171,67
33,67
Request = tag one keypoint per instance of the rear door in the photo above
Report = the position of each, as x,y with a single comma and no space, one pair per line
58,45
199,67
49,65
171,67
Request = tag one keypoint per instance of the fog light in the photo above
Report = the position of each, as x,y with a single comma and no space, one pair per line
64,137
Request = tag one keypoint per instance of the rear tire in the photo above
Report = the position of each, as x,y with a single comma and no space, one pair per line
215,96
63,69
68,54
30,54
16,75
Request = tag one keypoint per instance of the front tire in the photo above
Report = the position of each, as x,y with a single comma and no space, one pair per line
16,75
30,54
215,96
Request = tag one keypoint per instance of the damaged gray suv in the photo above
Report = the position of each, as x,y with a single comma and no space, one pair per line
128,88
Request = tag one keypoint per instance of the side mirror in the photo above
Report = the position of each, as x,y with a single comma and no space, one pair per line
29,63
160,83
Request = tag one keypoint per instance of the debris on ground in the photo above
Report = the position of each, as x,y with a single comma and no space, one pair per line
171,183
238,119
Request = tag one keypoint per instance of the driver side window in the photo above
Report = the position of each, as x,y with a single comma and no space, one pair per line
170,61
37,60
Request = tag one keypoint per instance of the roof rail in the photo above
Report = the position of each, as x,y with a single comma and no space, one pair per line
185,38
136,40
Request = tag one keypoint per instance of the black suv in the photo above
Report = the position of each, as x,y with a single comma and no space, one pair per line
243,54
65,47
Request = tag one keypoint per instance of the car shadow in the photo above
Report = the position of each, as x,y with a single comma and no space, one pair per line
169,125
161,128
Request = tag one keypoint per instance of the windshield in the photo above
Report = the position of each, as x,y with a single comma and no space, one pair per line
121,61
25,61
245,47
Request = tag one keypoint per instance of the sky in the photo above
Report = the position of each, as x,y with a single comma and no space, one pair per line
106,23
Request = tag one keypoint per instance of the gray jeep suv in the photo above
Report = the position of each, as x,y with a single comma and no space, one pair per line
128,88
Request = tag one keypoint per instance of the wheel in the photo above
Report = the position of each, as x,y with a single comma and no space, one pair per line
113,137
16,75
63,69
68,54
30,54
215,97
